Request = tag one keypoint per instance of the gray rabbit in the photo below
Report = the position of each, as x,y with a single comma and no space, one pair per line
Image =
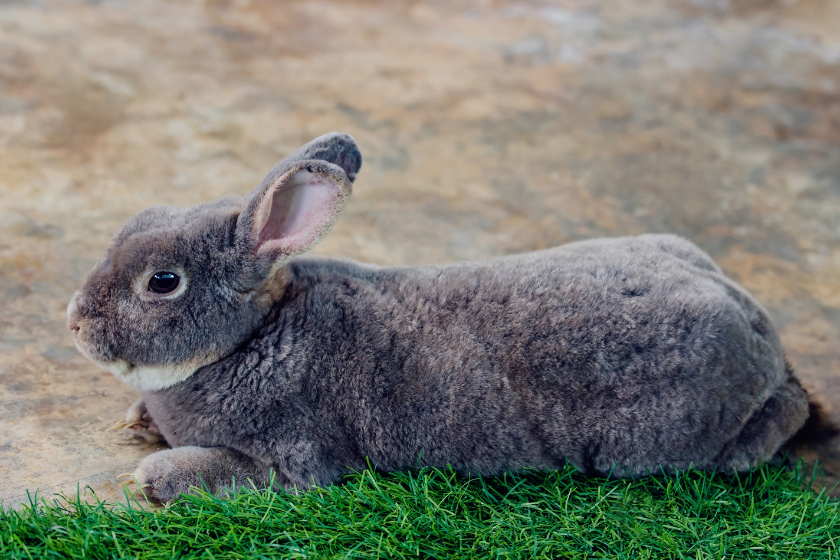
621,356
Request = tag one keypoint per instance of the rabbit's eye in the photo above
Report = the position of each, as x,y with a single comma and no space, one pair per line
163,282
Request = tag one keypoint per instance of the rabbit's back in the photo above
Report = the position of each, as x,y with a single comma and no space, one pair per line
635,350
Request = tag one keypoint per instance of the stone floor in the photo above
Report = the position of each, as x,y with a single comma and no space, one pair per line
488,127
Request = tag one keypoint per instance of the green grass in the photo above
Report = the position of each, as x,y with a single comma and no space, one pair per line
767,513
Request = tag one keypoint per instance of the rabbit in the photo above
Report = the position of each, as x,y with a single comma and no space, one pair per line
624,356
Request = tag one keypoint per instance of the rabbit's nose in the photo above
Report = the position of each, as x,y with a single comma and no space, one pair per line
73,314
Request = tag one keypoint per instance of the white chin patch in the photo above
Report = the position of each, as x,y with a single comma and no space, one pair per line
150,378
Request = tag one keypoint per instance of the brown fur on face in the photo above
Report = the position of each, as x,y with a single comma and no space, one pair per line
272,291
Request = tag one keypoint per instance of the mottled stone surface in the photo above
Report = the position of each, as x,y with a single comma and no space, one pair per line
488,127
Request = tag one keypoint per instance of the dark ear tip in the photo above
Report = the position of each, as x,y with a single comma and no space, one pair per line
344,153
337,148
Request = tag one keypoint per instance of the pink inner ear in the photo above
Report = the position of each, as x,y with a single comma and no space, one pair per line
296,213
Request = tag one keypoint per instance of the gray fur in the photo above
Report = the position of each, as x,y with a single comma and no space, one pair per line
170,472
622,356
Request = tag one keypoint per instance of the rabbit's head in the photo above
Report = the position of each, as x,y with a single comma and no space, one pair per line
179,288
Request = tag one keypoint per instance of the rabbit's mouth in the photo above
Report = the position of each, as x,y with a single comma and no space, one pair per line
74,322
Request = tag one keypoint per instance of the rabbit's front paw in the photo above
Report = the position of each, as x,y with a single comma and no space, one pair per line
164,475
141,423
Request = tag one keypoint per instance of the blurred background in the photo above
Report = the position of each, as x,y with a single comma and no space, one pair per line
487,128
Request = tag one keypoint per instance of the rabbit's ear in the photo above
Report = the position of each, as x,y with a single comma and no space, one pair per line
289,214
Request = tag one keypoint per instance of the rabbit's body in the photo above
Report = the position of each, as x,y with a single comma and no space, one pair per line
629,353
623,356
